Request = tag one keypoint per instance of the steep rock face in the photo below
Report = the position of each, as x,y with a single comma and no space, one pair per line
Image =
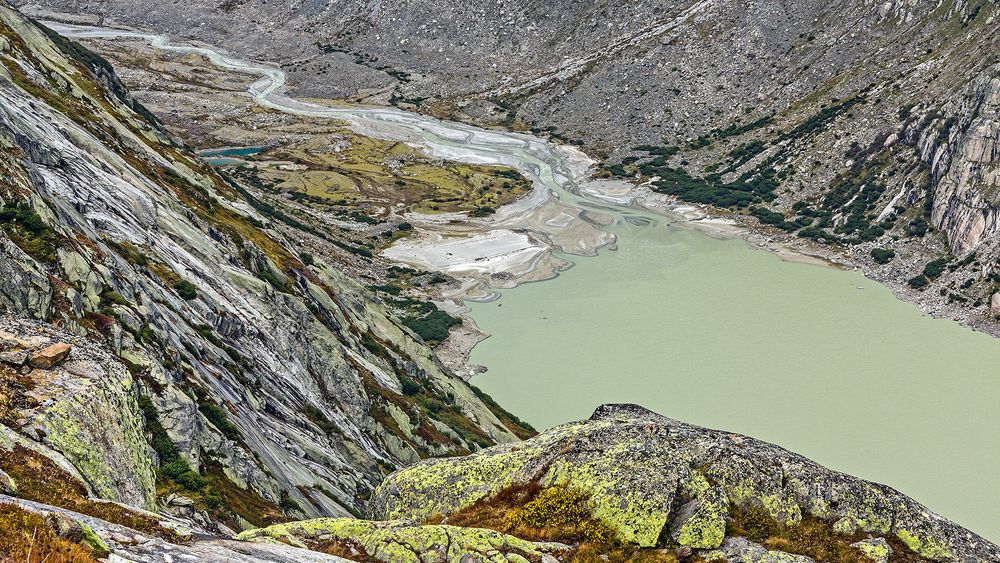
83,406
650,477
967,197
288,376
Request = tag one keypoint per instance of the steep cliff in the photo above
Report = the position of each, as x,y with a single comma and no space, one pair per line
265,385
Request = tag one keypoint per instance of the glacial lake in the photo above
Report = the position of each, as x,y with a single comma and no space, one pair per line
823,362
227,156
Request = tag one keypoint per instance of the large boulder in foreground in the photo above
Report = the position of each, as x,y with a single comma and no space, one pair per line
658,481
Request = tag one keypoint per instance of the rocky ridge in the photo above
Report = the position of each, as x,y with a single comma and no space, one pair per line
666,488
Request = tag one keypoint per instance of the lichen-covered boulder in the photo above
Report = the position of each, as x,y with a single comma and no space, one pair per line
875,549
402,542
648,476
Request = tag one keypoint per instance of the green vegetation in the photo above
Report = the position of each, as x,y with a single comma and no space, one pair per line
883,255
935,268
186,290
317,417
173,466
28,231
219,419
822,118
432,327
918,282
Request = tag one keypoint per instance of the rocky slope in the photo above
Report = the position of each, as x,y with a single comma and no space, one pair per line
211,370
661,488
856,125
625,485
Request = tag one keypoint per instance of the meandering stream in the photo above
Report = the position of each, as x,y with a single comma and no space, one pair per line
821,361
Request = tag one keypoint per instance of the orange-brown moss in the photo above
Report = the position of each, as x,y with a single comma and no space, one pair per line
40,480
26,537
813,537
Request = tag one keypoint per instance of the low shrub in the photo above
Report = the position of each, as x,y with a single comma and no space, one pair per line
186,290
883,255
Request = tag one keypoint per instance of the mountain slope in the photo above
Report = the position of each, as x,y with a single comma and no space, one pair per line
286,384
864,130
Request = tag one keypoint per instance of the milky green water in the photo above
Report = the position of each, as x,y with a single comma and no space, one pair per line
822,362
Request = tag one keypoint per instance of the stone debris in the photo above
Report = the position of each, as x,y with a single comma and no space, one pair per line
50,356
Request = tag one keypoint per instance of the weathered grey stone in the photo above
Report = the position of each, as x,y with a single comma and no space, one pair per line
875,549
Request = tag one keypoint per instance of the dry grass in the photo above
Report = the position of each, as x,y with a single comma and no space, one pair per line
559,514
25,537
40,480
813,537
13,386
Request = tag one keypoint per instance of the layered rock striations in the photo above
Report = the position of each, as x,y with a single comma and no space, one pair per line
177,293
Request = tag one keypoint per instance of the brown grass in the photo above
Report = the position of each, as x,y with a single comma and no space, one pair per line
40,480
25,537
813,537
534,513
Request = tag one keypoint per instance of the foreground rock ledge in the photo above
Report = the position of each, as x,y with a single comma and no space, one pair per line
649,477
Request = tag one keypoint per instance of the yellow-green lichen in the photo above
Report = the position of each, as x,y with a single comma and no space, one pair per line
443,486
784,509
401,542
874,551
705,527
925,547
635,516
95,542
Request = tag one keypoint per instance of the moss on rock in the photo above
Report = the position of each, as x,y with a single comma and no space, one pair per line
400,542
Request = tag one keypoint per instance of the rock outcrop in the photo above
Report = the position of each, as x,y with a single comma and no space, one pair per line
652,478
401,542
82,406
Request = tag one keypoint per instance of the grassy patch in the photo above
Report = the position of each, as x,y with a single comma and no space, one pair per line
813,537
28,231
41,480
13,386
26,537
